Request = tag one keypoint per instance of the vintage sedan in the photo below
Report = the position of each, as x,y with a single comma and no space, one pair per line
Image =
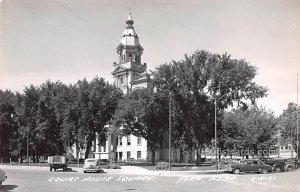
92,165
3,177
250,166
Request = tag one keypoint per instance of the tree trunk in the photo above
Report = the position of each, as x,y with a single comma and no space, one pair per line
114,144
77,156
88,147
198,159
191,155
152,156
181,156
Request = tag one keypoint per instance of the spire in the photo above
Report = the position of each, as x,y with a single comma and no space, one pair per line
129,21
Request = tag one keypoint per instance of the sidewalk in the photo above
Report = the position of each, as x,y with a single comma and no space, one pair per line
128,170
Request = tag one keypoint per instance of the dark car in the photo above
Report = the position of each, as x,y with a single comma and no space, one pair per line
3,177
249,165
293,160
280,164
58,162
290,164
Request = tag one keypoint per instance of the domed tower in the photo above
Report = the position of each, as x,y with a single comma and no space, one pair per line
129,71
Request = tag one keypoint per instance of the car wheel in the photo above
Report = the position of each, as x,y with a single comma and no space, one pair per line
264,171
54,169
236,171
0,183
277,169
289,168
50,168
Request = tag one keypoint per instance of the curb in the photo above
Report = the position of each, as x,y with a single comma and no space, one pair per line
23,167
122,171
176,173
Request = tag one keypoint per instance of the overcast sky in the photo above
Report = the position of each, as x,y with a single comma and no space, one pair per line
68,40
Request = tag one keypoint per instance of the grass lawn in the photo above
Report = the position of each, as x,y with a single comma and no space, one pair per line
174,166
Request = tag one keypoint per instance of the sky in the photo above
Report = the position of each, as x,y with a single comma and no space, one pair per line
68,40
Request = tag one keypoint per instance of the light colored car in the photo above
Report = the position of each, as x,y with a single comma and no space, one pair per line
91,165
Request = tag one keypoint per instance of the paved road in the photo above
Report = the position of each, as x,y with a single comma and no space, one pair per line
40,180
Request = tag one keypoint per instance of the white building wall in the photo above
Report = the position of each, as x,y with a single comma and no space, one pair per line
133,148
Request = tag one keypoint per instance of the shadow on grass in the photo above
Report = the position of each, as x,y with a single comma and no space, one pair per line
68,170
7,188
94,172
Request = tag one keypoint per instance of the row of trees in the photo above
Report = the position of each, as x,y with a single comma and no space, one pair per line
54,116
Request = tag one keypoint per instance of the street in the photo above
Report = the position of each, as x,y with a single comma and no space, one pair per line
41,180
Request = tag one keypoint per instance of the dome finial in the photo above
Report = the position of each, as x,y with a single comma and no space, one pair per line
129,21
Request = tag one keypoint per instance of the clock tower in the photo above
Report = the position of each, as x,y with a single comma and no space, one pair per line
129,72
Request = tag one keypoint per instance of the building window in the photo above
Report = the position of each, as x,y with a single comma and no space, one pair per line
122,80
128,155
130,56
139,155
128,140
120,140
139,141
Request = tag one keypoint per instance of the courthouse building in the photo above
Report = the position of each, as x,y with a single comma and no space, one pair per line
129,74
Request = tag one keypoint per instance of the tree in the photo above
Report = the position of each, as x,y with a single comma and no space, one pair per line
97,102
287,125
26,117
200,79
249,131
8,128
144,113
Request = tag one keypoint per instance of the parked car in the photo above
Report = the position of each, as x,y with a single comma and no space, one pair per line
26,160
295,161
106,164
290,164
58,162
3,177
92,165
249,165
279,164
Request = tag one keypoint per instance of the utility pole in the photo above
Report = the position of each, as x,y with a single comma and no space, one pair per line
27,146
297,134
216,150
170,135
